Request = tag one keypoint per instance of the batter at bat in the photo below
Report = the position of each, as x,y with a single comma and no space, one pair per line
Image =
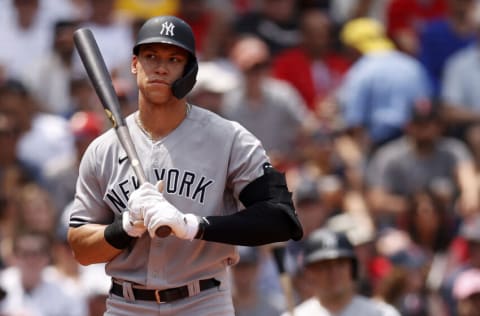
209,180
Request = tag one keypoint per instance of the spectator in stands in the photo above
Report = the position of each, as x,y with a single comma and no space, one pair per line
82,96
214,80
274,21
467,250
61,174
404,285
87,283
112,34
442,37
145,9
28,292
376,101
36,211
407,18
248,298
360,231
458,90
466,291
27,30
413,162
331,267
12,171
309,204
212,30
43,136
314,68
48,77
344,10
263,104
429,219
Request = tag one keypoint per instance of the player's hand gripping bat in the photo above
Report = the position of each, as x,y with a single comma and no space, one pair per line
102,82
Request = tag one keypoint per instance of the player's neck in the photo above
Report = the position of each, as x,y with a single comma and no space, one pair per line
337,304
158,121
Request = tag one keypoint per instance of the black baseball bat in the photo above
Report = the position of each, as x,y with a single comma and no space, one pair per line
102,82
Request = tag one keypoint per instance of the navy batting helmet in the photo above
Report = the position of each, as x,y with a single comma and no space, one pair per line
325,244
174,31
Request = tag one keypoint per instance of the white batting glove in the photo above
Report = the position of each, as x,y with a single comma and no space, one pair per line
157,212
145,196
132,226
184,226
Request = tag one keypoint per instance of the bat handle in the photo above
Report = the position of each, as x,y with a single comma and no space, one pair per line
162,231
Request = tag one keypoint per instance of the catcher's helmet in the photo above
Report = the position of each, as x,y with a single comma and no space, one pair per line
174,31
324,244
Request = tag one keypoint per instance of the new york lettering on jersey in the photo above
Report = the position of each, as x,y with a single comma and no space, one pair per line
182,183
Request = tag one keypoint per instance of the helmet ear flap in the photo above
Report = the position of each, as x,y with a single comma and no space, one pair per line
182,86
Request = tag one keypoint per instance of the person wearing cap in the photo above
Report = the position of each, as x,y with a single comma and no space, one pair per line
374,99
466,291
330,265
168,235
421,160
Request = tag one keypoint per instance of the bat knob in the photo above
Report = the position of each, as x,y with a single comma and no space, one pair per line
163,231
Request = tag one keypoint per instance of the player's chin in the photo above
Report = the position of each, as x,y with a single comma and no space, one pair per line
158,89
159,97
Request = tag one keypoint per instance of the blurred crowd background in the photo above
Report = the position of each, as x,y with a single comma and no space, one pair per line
370,107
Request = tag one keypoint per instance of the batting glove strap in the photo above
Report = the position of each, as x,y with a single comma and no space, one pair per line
131,225
116,236
202,225
190,227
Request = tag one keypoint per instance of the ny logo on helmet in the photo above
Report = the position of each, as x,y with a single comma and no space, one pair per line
167,28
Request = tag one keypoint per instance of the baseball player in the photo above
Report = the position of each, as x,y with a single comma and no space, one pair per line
330,264
210,181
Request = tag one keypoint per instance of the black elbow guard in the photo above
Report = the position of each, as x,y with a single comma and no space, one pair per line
272,188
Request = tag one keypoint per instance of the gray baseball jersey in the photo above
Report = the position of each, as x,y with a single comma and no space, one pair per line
205,163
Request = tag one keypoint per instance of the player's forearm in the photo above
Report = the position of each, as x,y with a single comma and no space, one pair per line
261,224
269,215
89,245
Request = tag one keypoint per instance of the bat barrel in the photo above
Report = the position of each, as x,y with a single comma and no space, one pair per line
98,73
102,82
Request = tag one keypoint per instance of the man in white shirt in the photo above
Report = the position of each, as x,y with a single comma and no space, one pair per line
330,265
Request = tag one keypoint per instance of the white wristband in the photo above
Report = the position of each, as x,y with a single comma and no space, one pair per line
191,226
132,229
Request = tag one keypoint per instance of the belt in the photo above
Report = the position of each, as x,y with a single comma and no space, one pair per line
163,296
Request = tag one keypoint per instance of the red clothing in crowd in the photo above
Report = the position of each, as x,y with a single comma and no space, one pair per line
296,67
412,14
201,28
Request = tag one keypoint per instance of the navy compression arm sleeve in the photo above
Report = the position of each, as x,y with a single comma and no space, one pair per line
269,215
254,226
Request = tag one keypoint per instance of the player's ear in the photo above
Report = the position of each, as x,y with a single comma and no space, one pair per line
133,65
